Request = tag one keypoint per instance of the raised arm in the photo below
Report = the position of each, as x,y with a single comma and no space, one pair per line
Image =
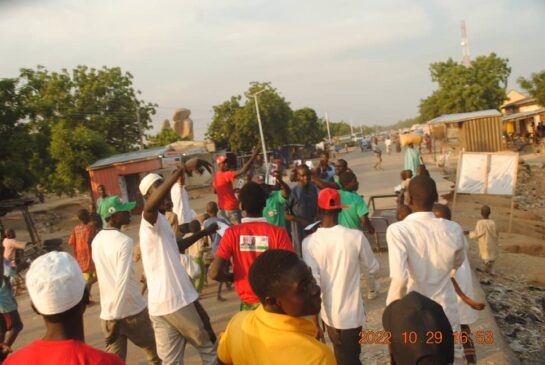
151,207
285,187
244,169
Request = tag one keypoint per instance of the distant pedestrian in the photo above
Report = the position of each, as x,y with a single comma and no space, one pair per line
302,206
378,158
223,185
11,245
388,144
412,158
486,232
102,194
80,241
325,170
180,202
196,252
10,320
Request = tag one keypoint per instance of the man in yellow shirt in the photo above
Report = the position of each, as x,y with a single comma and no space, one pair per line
275,333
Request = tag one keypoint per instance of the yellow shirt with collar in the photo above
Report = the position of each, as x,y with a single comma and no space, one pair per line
261,337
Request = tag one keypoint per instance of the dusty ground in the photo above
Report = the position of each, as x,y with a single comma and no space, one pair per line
57,216
517,292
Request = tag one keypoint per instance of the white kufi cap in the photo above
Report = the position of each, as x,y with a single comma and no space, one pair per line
55,283
147,182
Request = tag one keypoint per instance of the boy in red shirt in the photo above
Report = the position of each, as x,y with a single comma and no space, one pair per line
80,241
223,185
244,242
57,291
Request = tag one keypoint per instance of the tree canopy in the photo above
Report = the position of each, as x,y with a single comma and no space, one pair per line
234,124
465,89
57,123
535,86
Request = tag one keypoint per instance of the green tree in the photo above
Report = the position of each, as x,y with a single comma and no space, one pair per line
535,85
234,125
73,149
165,137
15,145
339,128
304,127
465,89
97,103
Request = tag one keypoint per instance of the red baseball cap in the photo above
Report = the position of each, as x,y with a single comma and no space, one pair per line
221,159
330,199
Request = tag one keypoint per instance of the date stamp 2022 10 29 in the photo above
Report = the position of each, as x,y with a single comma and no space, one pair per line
374,337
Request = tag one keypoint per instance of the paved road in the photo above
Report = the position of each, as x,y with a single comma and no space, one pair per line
372,182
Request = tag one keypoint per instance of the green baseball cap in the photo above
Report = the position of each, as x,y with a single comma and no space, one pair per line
113,204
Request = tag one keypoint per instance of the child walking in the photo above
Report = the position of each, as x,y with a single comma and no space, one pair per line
486,232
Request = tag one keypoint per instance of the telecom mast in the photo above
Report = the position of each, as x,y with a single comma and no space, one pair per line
466,60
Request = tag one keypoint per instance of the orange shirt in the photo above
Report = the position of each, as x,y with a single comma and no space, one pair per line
80,240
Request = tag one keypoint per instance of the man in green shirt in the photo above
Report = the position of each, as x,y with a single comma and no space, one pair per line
275,207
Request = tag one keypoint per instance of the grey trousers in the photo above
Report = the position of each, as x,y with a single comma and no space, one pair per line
137,329
188,324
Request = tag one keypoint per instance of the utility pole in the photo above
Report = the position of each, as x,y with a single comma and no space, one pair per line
328,132
139,128
265,158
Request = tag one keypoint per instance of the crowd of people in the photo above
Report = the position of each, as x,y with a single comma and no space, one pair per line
295,256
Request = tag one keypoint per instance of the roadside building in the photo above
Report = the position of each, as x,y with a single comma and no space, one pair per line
479,131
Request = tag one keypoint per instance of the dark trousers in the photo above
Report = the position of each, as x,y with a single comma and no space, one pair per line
346,345
469,346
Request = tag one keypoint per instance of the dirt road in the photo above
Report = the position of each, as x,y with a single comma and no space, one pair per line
371,183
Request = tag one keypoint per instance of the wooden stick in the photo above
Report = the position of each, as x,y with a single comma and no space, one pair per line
473,304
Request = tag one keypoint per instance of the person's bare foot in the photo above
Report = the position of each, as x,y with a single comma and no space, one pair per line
221,299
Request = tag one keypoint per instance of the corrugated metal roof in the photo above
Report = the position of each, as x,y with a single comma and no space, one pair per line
139,155
522,115
519,102
459,117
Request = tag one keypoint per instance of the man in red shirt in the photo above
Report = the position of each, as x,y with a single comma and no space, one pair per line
223,184
57,291
245,242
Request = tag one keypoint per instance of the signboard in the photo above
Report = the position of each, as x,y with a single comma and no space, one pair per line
487,173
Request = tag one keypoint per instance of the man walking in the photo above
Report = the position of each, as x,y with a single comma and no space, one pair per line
175,312
423,250
337,256
123,308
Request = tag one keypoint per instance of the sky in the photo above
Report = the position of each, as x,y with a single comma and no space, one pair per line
362,61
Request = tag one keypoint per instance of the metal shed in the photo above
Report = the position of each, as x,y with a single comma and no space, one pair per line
479,131
121,174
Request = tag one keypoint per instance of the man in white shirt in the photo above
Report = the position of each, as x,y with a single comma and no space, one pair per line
337,256
123,308
175,312
180,202
424,251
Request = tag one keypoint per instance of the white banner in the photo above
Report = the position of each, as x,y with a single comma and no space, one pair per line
487,173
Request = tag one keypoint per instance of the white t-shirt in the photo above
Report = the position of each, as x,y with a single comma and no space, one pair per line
169,286
120,293
422,252
180,204
337,257
464,278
